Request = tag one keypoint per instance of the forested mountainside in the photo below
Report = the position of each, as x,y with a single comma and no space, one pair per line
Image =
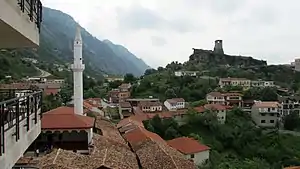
56,47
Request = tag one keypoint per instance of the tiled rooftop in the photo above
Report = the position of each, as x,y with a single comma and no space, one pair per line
187,145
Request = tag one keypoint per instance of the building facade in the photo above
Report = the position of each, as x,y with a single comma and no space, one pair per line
266,114
185,73
289,104
175,104
147,106
245,83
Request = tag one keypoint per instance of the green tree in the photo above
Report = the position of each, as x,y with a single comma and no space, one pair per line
129,78
291,121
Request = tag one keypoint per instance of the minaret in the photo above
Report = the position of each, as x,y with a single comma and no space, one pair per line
78,68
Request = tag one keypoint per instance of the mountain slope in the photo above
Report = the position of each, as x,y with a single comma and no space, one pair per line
126,55
56,48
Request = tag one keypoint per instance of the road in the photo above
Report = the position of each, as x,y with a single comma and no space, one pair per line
43,73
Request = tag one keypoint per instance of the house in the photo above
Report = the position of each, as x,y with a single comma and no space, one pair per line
265,114
119,95
62,128
175,104
125,87
243,82
289,104
262,83
93,105
247,105
147,106
125,109
215,98
135,101
228,99
192,149
113,79
233,99
219,109
154,152
185,73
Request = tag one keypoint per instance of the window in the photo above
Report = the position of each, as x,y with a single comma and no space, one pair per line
271,121
263,121
192,156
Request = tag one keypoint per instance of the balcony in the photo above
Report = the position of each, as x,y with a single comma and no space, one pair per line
20,23
20,124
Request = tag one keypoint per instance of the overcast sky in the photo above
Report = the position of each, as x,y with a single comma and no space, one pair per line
161,31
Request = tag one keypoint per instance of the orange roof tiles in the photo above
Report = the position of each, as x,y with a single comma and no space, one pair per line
214,107
64,118
175,100
187,145
295,167
139,135
49,91
199,109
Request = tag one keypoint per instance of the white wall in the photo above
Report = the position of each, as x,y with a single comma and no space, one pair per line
199,158
90,135
14,150
221,116
169,106
16,29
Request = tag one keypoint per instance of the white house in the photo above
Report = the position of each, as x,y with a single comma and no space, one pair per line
175,104
185,73
150,106
192,149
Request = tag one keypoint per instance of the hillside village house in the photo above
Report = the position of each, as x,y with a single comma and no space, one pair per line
245,83
185,73
265,114
93,105
228,99
175,104
136,101
219,109
261,83
146,106
192,149
62,128
289,104
125,110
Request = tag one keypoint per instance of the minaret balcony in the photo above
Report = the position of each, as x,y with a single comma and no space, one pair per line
20,124
77,67
20,23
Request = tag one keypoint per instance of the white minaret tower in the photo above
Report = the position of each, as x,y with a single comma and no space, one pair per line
78,68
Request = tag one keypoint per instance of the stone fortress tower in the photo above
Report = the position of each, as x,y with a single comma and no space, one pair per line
218,47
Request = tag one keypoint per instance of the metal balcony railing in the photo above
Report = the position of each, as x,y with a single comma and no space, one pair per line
14,111
34,10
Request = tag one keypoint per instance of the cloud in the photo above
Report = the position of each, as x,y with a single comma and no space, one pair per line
163,31
158,41
138,17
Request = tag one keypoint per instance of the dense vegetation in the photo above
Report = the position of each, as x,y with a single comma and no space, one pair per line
236,144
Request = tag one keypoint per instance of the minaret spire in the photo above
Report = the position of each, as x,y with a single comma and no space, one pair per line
78,68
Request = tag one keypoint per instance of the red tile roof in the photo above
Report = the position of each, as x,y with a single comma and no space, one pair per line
215,94
200,109
49,91
175,100
125,105
64,118
139,135
215,107
187,145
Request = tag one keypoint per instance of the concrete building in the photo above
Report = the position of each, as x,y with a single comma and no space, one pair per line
265,114
175,104
20,124
262,83
228,99
289,104
20,23
78,68
192,149
125,109
245,83
219,109
185,73
147,106
17,134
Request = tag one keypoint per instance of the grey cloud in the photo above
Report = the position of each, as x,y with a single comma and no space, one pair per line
138,17
158,41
